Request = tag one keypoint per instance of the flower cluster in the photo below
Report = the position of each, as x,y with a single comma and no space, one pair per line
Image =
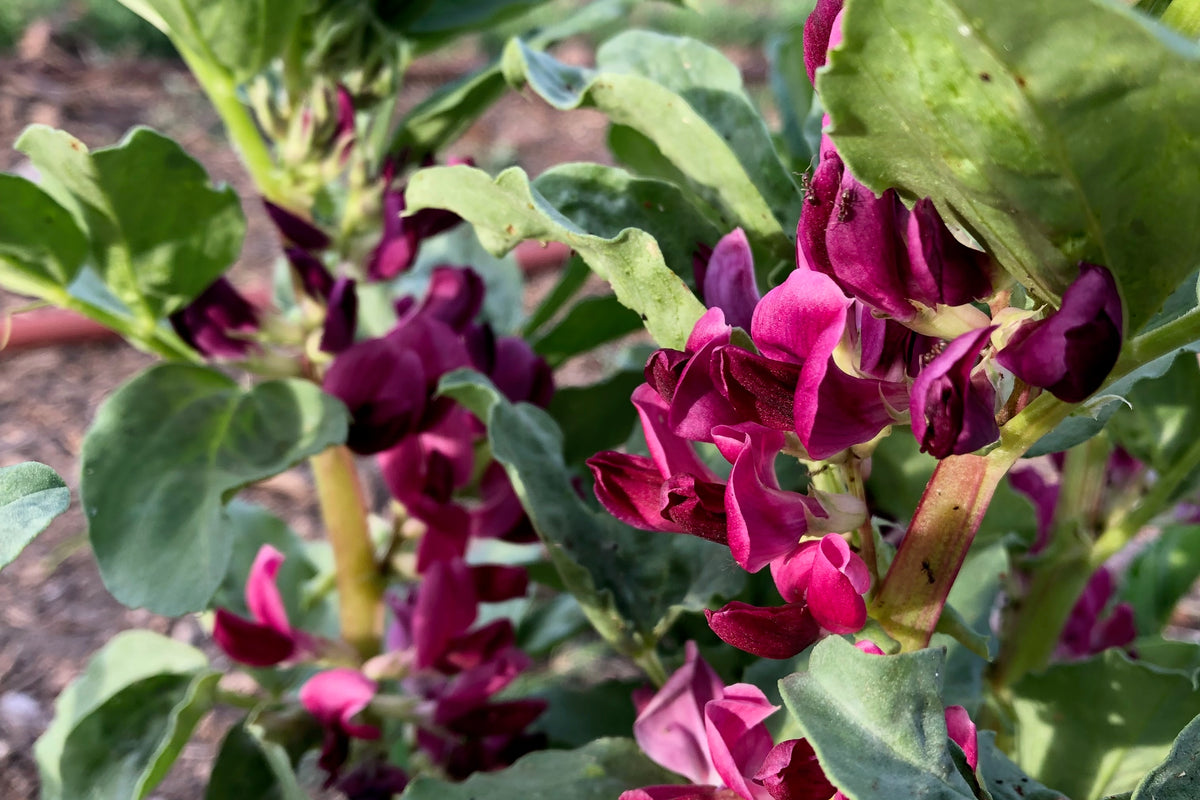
715,736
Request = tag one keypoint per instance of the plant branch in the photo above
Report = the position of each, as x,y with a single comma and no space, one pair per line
360,586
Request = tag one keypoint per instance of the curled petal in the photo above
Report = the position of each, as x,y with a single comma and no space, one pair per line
777,632
1071,352
760,389
738,741
335,696
791,772
341,317
296,229
671,454
688,792
835,411
262,594
630,488
218,322
835,591
951,413
696,506
699,405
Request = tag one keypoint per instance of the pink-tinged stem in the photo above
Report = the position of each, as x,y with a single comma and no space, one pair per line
359,584
912,595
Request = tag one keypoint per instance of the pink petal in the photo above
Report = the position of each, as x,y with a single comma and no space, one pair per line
738,741
336,695
962,732
833,597
671,728
262,594
670,453
729,280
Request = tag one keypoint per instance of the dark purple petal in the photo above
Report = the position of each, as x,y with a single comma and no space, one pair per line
865,251
251,642
495,583
1071,352
341,317
941,269
777,632
296,229
478,647
520,374
497,719
630,488
760,389
455,296
663,370
445,608
953,414
385,387
314,277
374,780
345,112
499,513
696,506
218,322
729,279
817,30
791,772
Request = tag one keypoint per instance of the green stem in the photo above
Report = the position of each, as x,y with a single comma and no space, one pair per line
652,665
221,89
1183,16
360,586
1059,574
1123,527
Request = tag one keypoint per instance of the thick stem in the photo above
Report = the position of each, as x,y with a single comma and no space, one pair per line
1060,572
1122,528
360,586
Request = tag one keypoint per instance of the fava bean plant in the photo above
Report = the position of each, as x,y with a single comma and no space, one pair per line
897,504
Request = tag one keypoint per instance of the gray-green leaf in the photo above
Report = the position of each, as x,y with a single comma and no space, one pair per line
165,453
31,496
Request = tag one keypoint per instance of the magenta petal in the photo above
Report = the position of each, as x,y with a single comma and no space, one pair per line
729,280
335,696
699,405
671,728
520,374
738,741
776,632
680,793
454,296
262,594
865,249
870,648
817,31
711,327
835,591
696,506
962,732
835,411
941,269
475,648
671,454
800,320
446,606
764,521
791,772
249,642
793,572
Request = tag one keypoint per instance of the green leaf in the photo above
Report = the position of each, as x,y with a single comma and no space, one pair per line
598,771
597,417
508,211
631,584
688,100
248,766
1164,421
1003,779
165,452
159,233
973,597
452,17
591,322
576,716
972,103
91,722
31,496
1095,727
448,112
570,280
242,36
605,201
1168,653
1160,575
1178,777
877,723
41,248
793,94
